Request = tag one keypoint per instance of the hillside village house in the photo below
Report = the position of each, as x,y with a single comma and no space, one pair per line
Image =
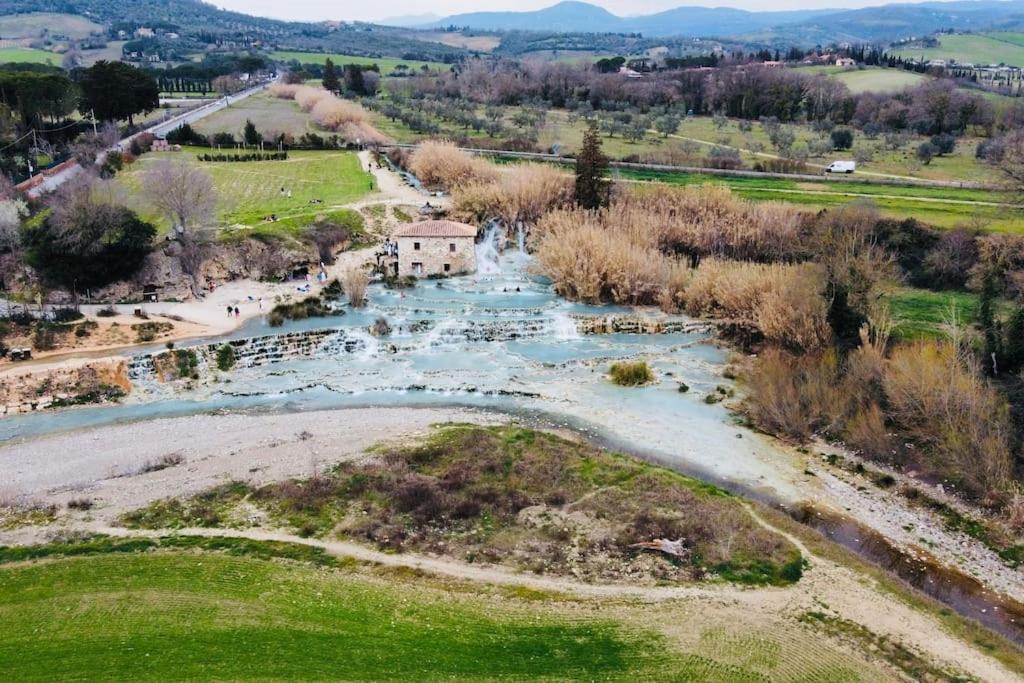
436,247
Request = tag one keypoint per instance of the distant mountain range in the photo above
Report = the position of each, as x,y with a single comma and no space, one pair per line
886,22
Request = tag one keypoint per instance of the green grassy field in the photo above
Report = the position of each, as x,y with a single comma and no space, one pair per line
980,48
227,609
250,191
920,313
386,64
33,24
863,80
183,616
28,54
929,205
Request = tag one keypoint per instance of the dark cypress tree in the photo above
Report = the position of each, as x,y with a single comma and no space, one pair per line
990,329
331,82
592,185
1013,346
251,135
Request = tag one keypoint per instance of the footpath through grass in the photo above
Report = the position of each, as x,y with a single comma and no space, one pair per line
161,616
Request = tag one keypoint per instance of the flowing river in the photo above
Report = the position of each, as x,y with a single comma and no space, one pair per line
501,339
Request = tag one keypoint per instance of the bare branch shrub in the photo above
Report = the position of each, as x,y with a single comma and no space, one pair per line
938,398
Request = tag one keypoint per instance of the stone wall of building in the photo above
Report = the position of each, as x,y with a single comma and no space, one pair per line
434,253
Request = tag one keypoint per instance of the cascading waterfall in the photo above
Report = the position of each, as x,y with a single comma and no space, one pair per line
488,253
564,327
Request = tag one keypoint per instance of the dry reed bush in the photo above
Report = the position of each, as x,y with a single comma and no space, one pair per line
307,97
675,279
938,398
439,163
521,194
1013,514
363,133
783,303
332,113
284,91
355,282
590,260
709,220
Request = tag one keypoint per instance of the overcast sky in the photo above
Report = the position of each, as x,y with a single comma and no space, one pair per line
316,10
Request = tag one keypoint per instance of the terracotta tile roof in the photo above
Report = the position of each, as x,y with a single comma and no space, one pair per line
436,229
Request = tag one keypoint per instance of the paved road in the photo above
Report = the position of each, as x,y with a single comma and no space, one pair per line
160,129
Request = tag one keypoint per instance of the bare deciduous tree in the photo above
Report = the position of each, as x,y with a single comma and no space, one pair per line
184,194
1011,165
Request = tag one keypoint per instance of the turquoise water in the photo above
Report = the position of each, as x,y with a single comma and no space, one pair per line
502,341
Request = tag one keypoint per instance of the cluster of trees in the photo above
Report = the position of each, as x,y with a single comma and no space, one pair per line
749,92
41,98
201,77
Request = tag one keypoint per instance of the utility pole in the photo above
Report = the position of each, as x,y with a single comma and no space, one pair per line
92,116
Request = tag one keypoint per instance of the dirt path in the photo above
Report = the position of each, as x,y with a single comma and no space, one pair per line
846,594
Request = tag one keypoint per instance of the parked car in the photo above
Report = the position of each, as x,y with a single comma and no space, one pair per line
841,167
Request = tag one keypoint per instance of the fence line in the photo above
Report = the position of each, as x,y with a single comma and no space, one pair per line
701,170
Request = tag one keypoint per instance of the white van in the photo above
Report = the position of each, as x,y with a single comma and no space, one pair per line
841,167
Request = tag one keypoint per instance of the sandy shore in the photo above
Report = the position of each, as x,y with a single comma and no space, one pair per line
105,464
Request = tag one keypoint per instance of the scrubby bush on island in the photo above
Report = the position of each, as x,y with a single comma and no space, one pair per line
627,374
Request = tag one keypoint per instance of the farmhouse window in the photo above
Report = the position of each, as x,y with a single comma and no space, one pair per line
415,246
451,246
447,267
417,267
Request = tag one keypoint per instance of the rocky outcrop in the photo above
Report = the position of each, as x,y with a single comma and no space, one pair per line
95,382
222,262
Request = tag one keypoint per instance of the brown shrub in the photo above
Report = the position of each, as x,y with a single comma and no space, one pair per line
590,261
938,398
439,163
866,432
792,396
332,113
519,195
709,220
781,302
355,282
307,97
284,91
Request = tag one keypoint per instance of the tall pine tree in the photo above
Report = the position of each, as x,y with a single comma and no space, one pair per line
331,82
592,185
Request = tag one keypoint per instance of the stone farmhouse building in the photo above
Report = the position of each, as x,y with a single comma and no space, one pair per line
436,247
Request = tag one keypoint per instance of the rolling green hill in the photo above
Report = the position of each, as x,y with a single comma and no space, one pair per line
973,48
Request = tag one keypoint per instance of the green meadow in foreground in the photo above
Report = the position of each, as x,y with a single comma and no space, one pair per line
162,616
